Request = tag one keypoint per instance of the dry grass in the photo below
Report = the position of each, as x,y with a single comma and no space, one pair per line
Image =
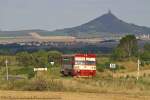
142,73
5,95
103,86
129,65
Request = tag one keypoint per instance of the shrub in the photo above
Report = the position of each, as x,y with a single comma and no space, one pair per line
41,83
13,84
37,84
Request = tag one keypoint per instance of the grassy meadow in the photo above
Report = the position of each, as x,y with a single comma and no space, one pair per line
122,80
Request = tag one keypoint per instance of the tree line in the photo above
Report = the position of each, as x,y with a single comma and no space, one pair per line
128,47
40,58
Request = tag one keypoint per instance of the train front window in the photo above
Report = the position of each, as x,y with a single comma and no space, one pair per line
67,61
90,62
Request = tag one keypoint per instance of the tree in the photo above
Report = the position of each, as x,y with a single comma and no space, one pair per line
146,52
118,54
129,45
54,56
23,58
126,48
40,58
147,47
2,61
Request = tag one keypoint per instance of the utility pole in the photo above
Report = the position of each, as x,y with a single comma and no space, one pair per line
138,69
6,62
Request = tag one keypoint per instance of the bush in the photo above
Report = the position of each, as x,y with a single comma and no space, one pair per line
40,83
13,84
101,67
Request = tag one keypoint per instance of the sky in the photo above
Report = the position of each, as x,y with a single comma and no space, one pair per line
58,14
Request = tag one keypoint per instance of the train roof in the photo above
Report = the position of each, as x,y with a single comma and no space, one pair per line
79,55
85,55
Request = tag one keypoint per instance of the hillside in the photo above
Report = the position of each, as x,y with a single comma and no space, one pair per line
107,23
103,25
21,32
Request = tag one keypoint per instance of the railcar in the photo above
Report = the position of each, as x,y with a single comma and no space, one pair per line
80,65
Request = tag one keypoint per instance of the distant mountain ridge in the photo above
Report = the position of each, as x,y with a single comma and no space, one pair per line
22,32
105,24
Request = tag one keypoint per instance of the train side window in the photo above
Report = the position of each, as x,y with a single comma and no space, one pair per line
90,62
80,62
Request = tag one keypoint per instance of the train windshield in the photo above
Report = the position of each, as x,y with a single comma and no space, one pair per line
67,60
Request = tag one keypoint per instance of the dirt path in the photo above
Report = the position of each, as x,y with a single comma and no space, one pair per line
26,95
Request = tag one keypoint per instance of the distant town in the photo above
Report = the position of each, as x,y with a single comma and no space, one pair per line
37,40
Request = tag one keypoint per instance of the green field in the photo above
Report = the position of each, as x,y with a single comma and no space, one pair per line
123,79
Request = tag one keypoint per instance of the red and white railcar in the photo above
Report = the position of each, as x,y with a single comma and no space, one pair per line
81,65
85,65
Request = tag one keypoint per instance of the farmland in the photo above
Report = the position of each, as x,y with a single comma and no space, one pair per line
106,81
109,84
5,95
54,86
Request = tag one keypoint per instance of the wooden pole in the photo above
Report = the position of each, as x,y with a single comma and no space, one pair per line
138,69
6,62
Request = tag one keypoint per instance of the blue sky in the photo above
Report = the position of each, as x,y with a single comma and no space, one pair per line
57,14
